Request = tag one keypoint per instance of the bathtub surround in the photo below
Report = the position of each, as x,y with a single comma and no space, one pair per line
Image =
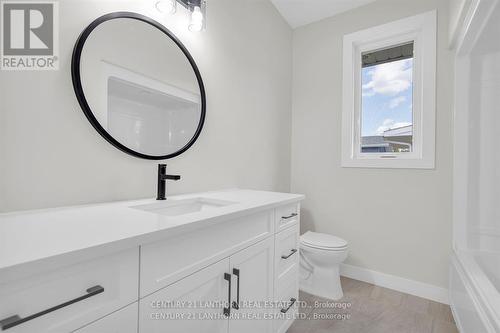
44,136
396,221
475,266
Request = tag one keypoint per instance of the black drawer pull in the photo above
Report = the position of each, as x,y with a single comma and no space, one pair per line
292,252
289,216
227,310
236,304
292,302
17,320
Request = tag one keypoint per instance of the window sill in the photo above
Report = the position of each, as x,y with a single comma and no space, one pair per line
388,163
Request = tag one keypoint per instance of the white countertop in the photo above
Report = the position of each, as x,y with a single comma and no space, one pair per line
34,236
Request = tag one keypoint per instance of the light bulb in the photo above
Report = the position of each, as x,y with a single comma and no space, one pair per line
167,6
196,19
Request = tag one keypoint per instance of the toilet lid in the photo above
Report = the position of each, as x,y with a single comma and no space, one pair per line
316,239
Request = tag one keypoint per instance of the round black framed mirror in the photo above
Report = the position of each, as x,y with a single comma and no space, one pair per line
138,86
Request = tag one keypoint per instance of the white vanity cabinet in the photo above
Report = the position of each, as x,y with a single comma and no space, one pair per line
230,272
173,258
69,297
193,304
286,270
121,321
253,289
207,301
254,275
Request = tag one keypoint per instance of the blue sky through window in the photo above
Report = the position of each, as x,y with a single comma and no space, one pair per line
387,97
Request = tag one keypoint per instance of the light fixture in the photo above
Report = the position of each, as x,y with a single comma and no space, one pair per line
196,23
196,8
167,6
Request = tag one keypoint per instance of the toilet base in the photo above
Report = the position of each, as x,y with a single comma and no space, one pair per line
322,282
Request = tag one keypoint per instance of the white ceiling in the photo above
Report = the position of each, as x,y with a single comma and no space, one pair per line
302,12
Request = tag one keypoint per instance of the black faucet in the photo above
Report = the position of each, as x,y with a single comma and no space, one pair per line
162,180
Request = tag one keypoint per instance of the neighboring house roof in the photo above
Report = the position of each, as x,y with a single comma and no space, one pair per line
374,141
399,131
393,136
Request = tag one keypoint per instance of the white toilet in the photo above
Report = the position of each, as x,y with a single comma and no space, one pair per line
320,259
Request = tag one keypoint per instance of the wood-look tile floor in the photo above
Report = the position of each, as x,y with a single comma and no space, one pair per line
367,308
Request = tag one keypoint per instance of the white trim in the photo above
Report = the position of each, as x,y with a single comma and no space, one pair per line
456,318
407,286
137,79
470,282
110,70
422,30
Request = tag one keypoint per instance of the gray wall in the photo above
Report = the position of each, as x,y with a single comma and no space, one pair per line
397,221
51,156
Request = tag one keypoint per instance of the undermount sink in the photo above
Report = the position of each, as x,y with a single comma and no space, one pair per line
183,207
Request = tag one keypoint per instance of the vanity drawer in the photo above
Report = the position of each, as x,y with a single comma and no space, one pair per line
169,260
286,254
286,216
121,321
287,298
68,298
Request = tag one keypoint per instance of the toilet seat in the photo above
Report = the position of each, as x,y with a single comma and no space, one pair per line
329,249
321,241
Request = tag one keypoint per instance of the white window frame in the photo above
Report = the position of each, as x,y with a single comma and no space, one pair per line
421,29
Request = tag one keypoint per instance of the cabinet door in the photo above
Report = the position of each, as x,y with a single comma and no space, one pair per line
122,321
253,267
192,305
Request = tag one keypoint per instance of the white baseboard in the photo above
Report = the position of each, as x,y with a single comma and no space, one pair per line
397,283
456,318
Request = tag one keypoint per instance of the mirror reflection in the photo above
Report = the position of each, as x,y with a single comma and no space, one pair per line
140,87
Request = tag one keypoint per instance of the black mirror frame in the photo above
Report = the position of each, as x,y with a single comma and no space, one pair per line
77,84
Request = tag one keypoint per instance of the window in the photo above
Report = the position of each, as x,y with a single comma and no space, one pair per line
387,100
388,117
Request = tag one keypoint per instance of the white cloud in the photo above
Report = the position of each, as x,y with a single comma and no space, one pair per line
389,79
390,124
395,102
